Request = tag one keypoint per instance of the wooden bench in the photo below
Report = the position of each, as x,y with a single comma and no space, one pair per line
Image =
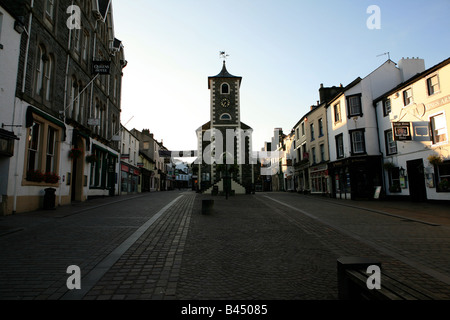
352,283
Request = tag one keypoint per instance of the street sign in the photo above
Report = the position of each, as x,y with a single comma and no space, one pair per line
101,67
93,122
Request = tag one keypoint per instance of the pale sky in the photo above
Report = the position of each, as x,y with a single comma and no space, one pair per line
283,49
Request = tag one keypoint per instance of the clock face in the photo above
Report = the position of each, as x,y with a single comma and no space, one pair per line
225,102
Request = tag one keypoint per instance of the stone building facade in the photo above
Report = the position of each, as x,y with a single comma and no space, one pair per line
67,114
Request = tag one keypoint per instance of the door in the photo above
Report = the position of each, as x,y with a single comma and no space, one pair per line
78,172
417,187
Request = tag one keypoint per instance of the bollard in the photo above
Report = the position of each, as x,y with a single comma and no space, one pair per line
207,206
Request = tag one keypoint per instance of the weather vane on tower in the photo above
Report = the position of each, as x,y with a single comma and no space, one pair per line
224,55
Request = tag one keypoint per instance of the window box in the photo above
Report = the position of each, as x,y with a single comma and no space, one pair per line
51,177
35,176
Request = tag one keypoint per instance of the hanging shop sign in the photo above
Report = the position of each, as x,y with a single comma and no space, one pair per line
402,131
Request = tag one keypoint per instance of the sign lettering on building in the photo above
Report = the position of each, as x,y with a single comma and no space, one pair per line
437,103
101,67
93,122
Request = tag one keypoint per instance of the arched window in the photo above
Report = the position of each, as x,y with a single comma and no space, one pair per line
225,88
81,102
48,72
225,116
96,114
74,102
40,70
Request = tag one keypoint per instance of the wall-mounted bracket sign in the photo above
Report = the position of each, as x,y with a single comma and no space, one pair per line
101,67
402,131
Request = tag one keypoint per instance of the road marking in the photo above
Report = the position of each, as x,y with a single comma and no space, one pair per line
433,273
89,281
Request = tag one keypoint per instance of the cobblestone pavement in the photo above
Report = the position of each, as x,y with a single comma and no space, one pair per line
268,246
37,247
414,247
290,253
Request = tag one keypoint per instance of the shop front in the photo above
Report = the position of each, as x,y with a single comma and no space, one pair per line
301,175
319,180
130,176
355,178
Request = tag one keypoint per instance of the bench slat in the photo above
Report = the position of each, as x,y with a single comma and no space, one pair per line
391,288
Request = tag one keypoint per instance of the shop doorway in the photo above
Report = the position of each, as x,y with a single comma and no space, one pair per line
77,172
417,188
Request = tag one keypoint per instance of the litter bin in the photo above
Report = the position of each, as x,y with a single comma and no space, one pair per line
49,198
207,206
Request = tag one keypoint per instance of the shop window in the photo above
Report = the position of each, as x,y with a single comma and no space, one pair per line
443,177
33,147
50,163
394,180
42,151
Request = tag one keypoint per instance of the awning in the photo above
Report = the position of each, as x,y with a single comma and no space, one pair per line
96,146
29,119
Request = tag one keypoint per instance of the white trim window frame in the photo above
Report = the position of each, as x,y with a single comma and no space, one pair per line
433,85
391,144
407,97
357,140
439,129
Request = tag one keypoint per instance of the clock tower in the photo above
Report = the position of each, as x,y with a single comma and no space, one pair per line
224,143
225,99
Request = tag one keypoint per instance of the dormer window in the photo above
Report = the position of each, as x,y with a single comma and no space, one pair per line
224,88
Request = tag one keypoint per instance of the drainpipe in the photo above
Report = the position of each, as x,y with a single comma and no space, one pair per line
16,173
383,178
64,113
